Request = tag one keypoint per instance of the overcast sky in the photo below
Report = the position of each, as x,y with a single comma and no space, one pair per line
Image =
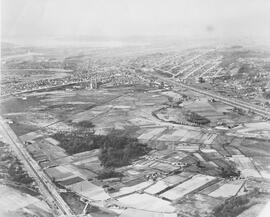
121,18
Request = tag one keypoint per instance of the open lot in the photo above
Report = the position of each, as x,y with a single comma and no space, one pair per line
89,191
15,203
257,130
227,190
184,188
147,202
197,204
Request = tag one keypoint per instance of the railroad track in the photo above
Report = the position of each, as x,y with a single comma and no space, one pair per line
50,193
233,102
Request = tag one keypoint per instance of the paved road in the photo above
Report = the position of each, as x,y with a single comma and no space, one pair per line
233,102
46,187
189,60
195,70
209,69
229,101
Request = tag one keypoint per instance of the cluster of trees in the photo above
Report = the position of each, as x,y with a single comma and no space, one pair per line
17,173
6,157
97,211
232,207
230,171
116,149
85,124
195,118
77,141
235,205
120,151
74,202
13,167
109,173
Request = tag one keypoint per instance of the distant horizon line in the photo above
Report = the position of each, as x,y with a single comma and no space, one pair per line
99,38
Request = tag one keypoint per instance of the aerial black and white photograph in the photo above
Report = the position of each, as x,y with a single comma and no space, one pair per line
135,108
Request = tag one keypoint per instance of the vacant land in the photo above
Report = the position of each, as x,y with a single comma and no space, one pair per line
74,202
14,203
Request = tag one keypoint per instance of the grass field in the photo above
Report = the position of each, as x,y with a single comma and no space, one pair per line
184,188
14,203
